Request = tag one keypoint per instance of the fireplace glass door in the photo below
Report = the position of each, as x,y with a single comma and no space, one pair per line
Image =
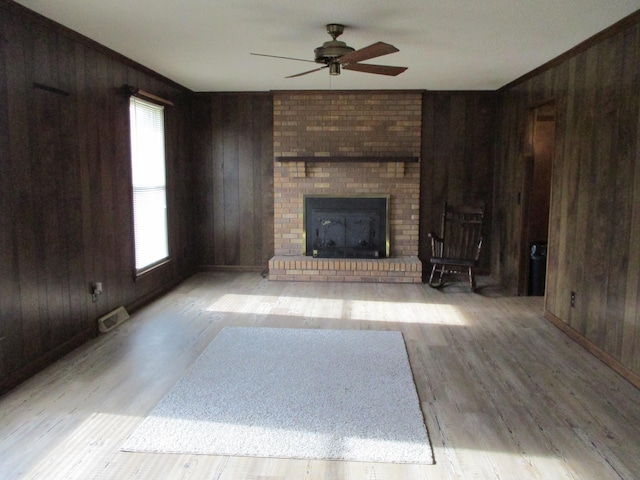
346,227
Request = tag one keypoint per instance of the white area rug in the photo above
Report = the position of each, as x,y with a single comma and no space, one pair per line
293,393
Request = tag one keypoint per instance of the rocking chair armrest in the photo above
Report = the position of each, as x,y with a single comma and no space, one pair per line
436,244
478,249
434,236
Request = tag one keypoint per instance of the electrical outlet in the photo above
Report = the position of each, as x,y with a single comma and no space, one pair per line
96,291
573,299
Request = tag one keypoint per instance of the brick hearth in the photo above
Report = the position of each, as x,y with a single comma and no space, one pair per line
384,270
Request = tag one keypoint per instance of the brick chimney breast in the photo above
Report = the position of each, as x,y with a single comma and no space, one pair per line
338,126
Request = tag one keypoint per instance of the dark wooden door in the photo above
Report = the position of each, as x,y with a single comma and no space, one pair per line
538,164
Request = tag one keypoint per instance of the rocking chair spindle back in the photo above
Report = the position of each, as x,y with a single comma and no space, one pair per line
456,249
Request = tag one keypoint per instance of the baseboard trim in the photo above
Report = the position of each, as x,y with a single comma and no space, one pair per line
156,293
233,268
596,351
46,359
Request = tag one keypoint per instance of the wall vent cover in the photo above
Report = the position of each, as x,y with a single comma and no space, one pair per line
112,319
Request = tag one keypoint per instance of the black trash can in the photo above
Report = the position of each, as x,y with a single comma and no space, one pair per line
537,268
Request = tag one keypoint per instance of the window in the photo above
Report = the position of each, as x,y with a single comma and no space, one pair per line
149,184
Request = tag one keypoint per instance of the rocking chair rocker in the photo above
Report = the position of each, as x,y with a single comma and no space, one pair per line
456,249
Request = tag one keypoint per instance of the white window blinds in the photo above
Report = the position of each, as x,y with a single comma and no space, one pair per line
149,184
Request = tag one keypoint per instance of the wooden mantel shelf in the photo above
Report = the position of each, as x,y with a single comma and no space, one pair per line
349,159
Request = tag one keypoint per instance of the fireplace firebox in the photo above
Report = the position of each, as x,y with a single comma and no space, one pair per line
355,226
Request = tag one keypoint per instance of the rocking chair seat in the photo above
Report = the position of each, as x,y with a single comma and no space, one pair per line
457,262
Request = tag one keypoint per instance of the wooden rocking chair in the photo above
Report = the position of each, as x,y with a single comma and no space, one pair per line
456,249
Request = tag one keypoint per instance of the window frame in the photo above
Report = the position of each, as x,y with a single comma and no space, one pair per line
134,101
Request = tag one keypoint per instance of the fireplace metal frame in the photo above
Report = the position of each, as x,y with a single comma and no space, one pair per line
386,197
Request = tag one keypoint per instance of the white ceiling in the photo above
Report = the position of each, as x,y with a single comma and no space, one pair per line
205,45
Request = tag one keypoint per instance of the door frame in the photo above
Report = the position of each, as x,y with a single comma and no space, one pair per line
527,166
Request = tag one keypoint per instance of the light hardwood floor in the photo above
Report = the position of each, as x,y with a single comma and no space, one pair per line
504,393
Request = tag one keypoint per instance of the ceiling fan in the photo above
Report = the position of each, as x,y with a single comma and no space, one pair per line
337,55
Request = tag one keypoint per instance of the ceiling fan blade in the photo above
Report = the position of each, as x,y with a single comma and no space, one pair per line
286,58
378,69
372,51
310,71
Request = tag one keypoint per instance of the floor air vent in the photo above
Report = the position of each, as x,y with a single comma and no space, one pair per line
112,319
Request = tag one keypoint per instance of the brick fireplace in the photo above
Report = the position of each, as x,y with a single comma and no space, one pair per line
347,144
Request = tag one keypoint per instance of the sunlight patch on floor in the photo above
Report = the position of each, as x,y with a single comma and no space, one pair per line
439,314
366,310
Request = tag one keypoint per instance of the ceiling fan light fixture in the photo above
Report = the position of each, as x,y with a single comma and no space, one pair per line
334,68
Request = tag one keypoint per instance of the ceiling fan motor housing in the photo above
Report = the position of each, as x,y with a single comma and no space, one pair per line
333,49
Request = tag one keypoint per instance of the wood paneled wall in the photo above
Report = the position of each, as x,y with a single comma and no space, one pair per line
594,232
234,179
456,161
65,195
234,170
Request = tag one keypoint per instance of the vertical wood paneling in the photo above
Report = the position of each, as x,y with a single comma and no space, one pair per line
234,155
6,232
203,180
631,327
19,92
182,190
629,140
73,220
121,194
248,194
617,202
593,243
231,135
217,214
105,233
12,340
577,245
234,143
66,203
597,212
555,247
456,159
